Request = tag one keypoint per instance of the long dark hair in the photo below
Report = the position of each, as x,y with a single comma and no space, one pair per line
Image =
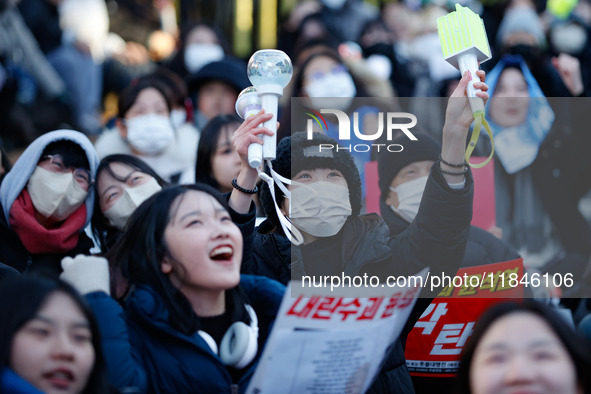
207,146
103,232
577,347
5,162
22,297
142,248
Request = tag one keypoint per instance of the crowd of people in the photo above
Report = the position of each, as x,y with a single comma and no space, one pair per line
140,252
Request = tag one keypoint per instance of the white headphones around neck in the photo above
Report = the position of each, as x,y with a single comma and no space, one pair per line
240,343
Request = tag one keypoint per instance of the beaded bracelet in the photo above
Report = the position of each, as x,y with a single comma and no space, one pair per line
452,172
465,163
243,190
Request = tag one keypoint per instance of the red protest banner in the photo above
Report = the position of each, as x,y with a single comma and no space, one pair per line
434,345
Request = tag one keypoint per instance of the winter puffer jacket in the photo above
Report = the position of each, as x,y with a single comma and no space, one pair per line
146,354
11,383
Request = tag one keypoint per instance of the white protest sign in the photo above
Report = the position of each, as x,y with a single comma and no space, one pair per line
323,344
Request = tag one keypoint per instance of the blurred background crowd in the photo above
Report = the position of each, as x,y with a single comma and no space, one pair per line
73,64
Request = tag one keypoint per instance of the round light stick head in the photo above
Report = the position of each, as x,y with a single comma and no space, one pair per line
246,98
270,67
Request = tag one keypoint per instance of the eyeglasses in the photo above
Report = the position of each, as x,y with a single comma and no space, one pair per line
81,175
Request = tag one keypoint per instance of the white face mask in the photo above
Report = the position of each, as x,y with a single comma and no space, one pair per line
409,198
198,55
149,134
569,38
178,117
131,198
320,208
54,194
332,85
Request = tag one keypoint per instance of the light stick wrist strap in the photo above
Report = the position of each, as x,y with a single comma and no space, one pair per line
479,122
290,231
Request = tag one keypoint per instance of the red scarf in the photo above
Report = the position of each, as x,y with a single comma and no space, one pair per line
38,239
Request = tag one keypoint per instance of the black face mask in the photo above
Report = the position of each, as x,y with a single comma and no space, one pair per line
379,49
528,52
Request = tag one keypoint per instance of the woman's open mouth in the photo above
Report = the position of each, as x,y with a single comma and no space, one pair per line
222,253
60,378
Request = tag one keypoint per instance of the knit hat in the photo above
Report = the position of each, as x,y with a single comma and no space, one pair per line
229,70
297,153
390,163
521,19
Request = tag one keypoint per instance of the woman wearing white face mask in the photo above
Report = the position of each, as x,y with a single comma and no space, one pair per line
123,182
181,113
144,129
322,77
200,43
402,180
47,201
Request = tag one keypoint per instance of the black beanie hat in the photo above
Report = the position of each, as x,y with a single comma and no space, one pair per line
293,157
390,163
73,154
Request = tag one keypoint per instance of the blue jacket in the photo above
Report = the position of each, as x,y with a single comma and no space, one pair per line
145,354
11,383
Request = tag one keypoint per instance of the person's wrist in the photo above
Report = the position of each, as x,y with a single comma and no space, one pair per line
236,186
453,169
455,130
247,177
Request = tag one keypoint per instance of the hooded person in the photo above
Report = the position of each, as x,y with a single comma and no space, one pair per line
520,118
46,203
402,181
